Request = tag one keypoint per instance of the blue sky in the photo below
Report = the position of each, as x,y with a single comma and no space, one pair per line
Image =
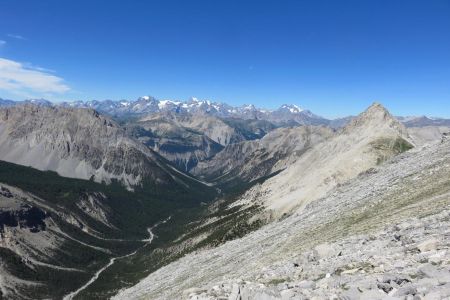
333,57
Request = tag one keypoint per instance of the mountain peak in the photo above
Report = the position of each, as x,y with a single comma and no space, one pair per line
144,99
292,108
376,106
375,118
376,111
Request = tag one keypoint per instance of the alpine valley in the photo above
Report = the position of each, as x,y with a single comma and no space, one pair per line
162,199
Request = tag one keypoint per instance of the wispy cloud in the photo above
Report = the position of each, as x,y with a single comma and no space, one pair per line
2,42
16,36
19,78
27,65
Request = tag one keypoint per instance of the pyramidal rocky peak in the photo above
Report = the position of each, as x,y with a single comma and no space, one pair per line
374,116
377,120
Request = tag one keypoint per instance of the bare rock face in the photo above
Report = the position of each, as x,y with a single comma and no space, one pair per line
77,143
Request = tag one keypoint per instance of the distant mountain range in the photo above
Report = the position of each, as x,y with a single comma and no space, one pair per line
40,102
422,121
285,115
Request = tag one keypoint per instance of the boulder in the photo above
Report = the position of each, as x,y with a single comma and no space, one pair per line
407,289
234,293
323,251
188,293
428,245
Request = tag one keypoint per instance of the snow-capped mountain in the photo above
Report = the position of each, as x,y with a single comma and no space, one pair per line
290,113
292,108
286,114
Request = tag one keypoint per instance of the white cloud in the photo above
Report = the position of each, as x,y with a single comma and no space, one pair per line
18,78
16,36
2,42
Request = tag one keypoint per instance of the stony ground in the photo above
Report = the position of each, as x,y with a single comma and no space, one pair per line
384,234
410,260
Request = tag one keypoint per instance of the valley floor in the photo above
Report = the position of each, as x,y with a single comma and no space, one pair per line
384,235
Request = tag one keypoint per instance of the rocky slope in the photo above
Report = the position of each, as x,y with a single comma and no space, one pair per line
427,134
382,235
78,143
250,160
413,263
